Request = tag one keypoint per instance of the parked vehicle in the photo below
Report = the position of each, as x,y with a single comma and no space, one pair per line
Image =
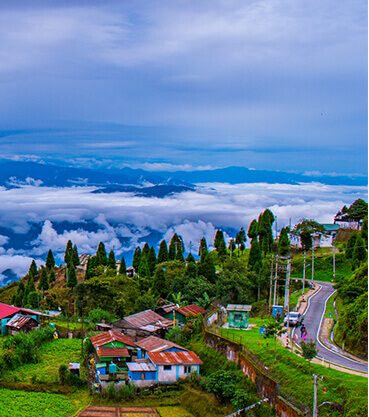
293,319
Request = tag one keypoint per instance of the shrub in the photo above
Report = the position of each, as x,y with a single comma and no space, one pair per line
98,315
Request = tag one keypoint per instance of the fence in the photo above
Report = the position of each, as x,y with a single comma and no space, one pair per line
266,385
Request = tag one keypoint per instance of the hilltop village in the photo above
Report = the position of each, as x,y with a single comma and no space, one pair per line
224,329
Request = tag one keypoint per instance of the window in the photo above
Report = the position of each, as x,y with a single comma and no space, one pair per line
142,375
187,369
167,367
237,317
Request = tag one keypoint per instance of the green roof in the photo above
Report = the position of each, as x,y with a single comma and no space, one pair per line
331,227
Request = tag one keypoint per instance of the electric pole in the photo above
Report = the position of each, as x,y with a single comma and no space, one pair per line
287,288
271,285
334,261
312,262
315,410
275,280
303,274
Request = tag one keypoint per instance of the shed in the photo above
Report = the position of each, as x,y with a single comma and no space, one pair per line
20,323
238,316
142,373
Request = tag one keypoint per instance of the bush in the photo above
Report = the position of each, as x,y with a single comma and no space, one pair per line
98,315
67,378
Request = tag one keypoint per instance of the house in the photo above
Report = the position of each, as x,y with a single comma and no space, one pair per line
143,324
166,309
171,366
7,312
183,313
238,316
21,323
113,347
142,373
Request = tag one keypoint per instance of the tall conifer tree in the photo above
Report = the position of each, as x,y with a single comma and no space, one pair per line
122,266
50,261
163,252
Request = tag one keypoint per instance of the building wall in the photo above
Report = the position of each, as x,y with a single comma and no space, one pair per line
238,323
167,376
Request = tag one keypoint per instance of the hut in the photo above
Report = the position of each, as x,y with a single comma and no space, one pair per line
238,316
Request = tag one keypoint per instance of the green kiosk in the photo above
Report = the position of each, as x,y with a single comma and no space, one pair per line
238,316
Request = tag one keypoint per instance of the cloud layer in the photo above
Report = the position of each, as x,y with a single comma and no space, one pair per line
123,220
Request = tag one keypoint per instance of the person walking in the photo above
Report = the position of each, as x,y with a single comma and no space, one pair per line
302,329
304,336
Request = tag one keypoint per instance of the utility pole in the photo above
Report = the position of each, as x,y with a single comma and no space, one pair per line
312,262
287,288
275,280
334,260
303,275
276,229
271,286
315,410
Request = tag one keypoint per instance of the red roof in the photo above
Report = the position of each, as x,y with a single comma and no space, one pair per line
7,310
110,351
110,336
193,309
148,318
174,358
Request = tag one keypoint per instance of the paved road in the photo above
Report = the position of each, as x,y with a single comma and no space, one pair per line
313,319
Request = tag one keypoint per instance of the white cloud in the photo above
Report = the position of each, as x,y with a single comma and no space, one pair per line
17,263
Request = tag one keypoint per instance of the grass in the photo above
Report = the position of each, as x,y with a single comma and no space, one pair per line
330,312
323,265
292,372
52,354
173,412
34,404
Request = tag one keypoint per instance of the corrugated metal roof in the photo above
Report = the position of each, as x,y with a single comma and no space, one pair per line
238,307
156,344
148,317
112,351
18,321
141,366
110,336
167,308
193,309
174,358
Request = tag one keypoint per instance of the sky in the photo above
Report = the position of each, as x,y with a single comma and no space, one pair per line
177,85
265,84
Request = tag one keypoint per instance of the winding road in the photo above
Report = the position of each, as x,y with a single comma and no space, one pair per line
313,319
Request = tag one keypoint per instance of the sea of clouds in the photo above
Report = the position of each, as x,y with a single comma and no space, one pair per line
123,220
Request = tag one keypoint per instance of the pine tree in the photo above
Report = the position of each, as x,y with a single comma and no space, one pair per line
112,264
173,247
163,252
136,258
284,242
360,254
231,247
52,276
151,260
122,267
240,238
75,257
68,255
72,277
219,239
160,285
191,271
351,245
101,258
255,253
145,250
20,293
44,281
91,265
30,284
32,269
50,261
206,269
364,231
190,259
143,269
203,248
253,229
265,230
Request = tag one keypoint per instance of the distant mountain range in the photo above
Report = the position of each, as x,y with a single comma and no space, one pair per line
14,174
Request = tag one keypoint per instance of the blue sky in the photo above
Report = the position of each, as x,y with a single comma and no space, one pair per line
262,84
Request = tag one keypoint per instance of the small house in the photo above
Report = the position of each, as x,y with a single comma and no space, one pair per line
142,373
181,314
171,366
143,324
21,323
238,316
7,312
156,344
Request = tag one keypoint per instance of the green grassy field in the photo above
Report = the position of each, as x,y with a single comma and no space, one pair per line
34,404
52,354
292,372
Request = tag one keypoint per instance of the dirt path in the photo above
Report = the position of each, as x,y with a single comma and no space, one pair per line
118,412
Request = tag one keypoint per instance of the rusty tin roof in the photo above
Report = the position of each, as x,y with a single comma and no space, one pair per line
174,358
110,336
18,321
193,309
156,344
148,318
